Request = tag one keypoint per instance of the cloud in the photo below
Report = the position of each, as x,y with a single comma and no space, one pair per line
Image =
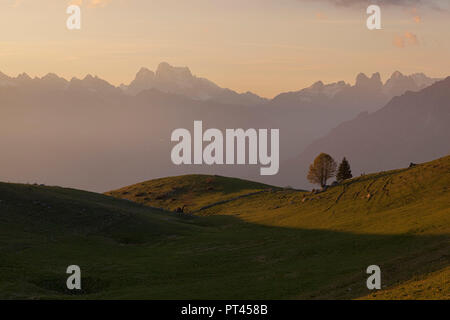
98,3
401,41
321,16
91,3
415,14
411,38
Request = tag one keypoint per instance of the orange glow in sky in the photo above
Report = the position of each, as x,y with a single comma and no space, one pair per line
262,46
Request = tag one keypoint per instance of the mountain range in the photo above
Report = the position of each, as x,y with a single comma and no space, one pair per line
89,134
411,128
180,81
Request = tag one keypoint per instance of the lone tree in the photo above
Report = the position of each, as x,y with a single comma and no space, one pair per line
323,168
344,171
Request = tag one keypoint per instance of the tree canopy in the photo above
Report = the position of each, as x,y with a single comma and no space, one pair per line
344,171
323,168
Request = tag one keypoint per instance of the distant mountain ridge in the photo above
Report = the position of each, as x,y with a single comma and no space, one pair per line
180,80
372,90
413,127
89,134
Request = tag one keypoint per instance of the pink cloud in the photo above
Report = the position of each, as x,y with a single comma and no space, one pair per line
321,16
401,41
91,3
415,14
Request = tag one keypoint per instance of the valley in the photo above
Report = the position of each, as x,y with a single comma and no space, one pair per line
236,240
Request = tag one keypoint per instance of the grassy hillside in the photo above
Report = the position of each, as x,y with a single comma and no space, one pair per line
243,241
407,201
192,192
429,286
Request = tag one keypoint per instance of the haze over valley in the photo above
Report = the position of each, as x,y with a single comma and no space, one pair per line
89,134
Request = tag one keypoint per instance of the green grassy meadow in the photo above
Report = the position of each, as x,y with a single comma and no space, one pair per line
236,240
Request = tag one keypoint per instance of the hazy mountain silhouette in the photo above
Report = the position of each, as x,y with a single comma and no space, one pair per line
398,83
310,113
179,80
89,134
413,127
367,94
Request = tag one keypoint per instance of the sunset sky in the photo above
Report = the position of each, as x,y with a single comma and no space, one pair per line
263,46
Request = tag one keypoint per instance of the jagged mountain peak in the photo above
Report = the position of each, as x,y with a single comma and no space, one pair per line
50,76
180,80
23,76
317,85
376,76
397,74
374,82
4,77
166,70
144,73
361,77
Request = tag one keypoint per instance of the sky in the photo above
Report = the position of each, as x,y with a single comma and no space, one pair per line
263,46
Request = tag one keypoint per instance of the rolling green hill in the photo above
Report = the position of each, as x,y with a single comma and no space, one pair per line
193,192
239,239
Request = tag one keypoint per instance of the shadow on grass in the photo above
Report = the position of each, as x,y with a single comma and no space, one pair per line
223,258
127,250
